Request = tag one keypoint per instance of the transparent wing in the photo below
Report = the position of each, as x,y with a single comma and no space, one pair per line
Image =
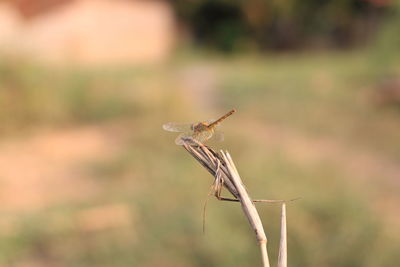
184,137
177,127
209,121
219,136
189,136
203,136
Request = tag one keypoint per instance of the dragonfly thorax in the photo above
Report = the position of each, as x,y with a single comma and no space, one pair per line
200,127
195,133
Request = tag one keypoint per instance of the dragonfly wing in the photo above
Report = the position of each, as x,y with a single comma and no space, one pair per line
188,137
209,121
177,127
203,136
219,136
184,137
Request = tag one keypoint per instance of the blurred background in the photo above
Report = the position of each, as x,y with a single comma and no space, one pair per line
89,178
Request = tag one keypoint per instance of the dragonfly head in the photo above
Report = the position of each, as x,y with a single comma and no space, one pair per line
199,127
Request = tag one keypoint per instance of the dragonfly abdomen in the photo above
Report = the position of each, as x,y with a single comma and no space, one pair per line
215,123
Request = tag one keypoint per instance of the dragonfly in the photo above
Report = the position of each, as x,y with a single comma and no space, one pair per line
199,131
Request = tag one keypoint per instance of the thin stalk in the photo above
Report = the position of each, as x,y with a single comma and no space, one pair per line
248,207
282,258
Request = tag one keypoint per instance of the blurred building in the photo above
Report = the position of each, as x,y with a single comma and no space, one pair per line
87,32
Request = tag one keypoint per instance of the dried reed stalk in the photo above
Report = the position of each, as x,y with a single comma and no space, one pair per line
282,257
222,168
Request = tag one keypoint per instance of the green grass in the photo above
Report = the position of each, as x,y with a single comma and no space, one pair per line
307,97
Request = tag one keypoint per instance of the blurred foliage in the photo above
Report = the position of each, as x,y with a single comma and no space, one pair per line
385,50
292,110
308,97
231,25
384,57
33,95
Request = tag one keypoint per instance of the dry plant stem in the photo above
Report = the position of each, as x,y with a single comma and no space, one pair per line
208,164
282,258
207,160
221,166
248,207
264,254
245,200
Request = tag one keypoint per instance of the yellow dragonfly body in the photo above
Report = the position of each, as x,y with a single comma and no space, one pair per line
200,131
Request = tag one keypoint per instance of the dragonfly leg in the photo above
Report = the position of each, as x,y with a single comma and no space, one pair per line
219,183
275,200
228,199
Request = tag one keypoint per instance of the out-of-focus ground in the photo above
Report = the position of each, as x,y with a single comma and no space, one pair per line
89,178
89,32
